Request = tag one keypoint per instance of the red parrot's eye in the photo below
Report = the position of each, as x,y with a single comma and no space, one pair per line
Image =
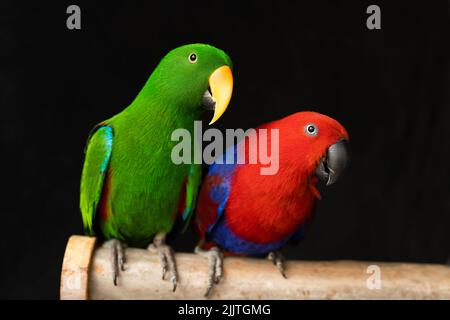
192,58
311,129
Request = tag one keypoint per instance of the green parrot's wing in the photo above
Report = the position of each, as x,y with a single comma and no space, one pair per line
97,156
192,186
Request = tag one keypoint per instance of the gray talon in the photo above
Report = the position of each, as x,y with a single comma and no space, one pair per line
174,284
166,257
278,260
215,266
117,258
163,264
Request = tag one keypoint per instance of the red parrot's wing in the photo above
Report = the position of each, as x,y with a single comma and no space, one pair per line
213,197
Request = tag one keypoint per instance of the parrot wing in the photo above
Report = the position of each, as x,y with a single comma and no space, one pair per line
97,156
214,194
193,183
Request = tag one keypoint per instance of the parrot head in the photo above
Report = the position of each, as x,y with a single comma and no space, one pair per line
195,76
322,142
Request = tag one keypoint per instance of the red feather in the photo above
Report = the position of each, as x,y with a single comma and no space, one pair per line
267,208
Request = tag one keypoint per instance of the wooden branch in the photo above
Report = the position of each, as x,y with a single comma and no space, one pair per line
244,278
75,268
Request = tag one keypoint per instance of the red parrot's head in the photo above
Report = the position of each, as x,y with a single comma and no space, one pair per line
315,144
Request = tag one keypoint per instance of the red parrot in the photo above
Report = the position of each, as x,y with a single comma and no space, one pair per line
240,211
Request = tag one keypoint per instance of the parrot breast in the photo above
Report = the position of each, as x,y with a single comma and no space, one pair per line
275,206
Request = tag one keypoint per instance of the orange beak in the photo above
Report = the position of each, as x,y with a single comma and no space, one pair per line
221,85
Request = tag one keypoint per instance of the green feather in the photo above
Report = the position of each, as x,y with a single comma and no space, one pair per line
192,186
144,185
97,156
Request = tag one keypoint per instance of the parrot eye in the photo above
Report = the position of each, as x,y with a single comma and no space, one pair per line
311,129
192,58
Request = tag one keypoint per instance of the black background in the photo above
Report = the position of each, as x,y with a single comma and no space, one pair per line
388,87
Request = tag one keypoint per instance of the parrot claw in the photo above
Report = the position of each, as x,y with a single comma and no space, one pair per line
215,272
163,263
117,257
174,284
166,257
278,260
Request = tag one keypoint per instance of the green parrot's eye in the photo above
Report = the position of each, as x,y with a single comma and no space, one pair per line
311,129
192,58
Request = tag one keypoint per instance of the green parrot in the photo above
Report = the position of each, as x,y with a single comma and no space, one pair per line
131,192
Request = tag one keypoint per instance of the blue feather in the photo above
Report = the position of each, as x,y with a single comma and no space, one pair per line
220,232
108,134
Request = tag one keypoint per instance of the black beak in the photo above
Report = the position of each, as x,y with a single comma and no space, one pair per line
208,101
334,162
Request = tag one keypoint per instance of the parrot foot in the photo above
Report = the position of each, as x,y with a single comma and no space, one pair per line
278,260
117,257
215,272
166,257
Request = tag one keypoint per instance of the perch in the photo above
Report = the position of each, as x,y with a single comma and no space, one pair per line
86,274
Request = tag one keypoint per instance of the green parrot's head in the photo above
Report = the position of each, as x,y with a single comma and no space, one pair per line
195,76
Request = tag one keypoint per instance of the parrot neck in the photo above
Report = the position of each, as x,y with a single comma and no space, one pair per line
162,97
171,111
299,180
302,175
